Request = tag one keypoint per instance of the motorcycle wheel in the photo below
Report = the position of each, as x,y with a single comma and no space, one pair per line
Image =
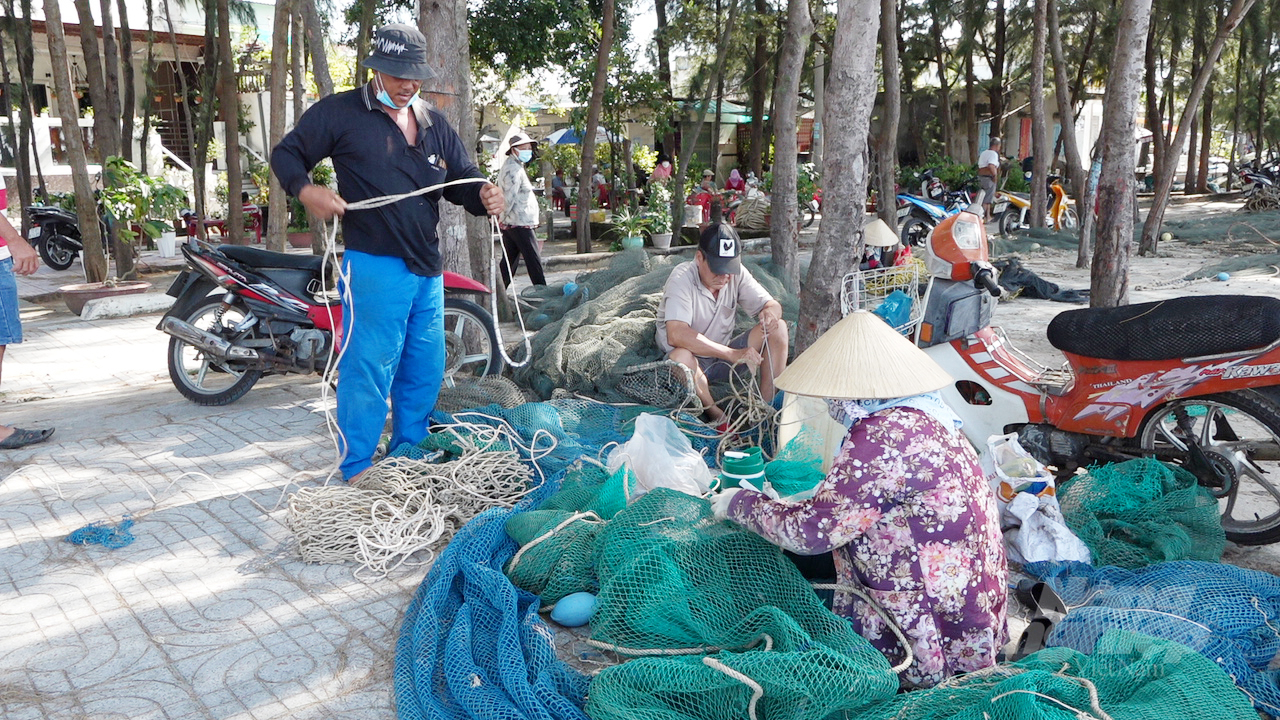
54,253
1239,434
1070,221
914,232
809,215
204,380
470,341
1008,222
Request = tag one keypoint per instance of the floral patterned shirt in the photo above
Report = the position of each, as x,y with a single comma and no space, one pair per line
910,519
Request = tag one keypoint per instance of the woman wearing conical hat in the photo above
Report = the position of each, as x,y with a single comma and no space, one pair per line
905,510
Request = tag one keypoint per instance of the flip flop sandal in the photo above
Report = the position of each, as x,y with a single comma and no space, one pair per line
1033,638
23,438
1041,600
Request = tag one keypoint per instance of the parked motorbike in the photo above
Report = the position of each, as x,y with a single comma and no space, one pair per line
55,233
1061,214
1193,381
813,208
918,216
242,313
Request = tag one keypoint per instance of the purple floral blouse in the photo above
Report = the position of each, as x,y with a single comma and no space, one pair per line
910,519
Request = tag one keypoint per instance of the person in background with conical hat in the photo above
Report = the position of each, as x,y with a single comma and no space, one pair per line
699,310
905,509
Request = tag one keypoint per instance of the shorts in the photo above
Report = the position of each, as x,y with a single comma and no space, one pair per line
10,324
988,185
717,370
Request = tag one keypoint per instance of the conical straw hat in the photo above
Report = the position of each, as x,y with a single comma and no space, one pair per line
877,233
860,358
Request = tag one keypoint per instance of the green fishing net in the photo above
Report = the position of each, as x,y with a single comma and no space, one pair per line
1140,512
798,467
1128,677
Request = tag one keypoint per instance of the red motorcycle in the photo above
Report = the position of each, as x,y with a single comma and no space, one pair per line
1192,380
242,313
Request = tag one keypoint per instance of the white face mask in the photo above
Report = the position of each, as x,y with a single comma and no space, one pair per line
666,164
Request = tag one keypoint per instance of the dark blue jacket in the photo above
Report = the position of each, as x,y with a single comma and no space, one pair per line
372,159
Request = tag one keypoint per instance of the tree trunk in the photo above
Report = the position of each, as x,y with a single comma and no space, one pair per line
129,106
971,108
585,191
819,102
1206,135
319,54
784,226
229,100
277,202
887,142
1066,111
663,45
197,171
148,85
996,93
368,14
1164,183
1039,131
91,54
1110,272
1155,123
1235,116
690,141
26,71
759,87
111,74
10,136
465,241
851,91
95,262
944,86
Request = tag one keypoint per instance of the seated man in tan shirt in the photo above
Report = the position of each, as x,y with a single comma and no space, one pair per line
699,310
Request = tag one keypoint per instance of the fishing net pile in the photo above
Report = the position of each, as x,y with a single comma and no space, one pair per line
1140,512
677,588
1227,614
1124,676
596,336
472,392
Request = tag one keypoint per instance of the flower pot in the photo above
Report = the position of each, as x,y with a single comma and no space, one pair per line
168,244
300,239
75,296
634,242
662,241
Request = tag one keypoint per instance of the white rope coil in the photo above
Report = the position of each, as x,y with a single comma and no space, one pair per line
401,510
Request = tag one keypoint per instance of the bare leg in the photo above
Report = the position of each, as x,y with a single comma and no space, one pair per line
773,348
700,387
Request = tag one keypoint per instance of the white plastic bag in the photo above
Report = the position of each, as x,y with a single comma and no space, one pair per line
1012,471
661,456
1043,535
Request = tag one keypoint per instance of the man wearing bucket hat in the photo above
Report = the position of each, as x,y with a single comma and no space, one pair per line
699,310
905,510
385,140
521,214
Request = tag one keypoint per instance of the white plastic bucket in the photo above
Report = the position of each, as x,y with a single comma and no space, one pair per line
168,244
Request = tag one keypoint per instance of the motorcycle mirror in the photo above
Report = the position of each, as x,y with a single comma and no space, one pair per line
976,206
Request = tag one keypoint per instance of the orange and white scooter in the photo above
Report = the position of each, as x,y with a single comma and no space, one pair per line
1192,380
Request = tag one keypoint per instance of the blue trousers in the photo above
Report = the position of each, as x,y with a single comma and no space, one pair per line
393,330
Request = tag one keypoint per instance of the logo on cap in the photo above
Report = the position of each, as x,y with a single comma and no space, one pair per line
727,248
389,46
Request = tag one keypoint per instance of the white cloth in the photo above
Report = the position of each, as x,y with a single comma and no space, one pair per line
686,299
521,205
989,158
848,412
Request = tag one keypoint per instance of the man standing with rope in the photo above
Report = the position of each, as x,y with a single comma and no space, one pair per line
385,140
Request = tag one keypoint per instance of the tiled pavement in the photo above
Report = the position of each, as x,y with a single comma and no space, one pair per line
199,617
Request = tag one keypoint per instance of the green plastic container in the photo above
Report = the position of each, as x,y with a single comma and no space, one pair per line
746,464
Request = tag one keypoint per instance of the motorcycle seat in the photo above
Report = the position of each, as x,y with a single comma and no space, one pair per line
267,259
1183,327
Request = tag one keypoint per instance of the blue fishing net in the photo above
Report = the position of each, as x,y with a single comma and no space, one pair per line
1228,614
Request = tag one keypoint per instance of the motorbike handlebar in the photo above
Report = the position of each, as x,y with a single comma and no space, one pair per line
985,278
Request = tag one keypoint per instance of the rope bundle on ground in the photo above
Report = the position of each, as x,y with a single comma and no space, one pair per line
402,506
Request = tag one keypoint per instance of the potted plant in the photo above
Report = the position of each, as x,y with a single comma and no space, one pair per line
630,227
659,215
